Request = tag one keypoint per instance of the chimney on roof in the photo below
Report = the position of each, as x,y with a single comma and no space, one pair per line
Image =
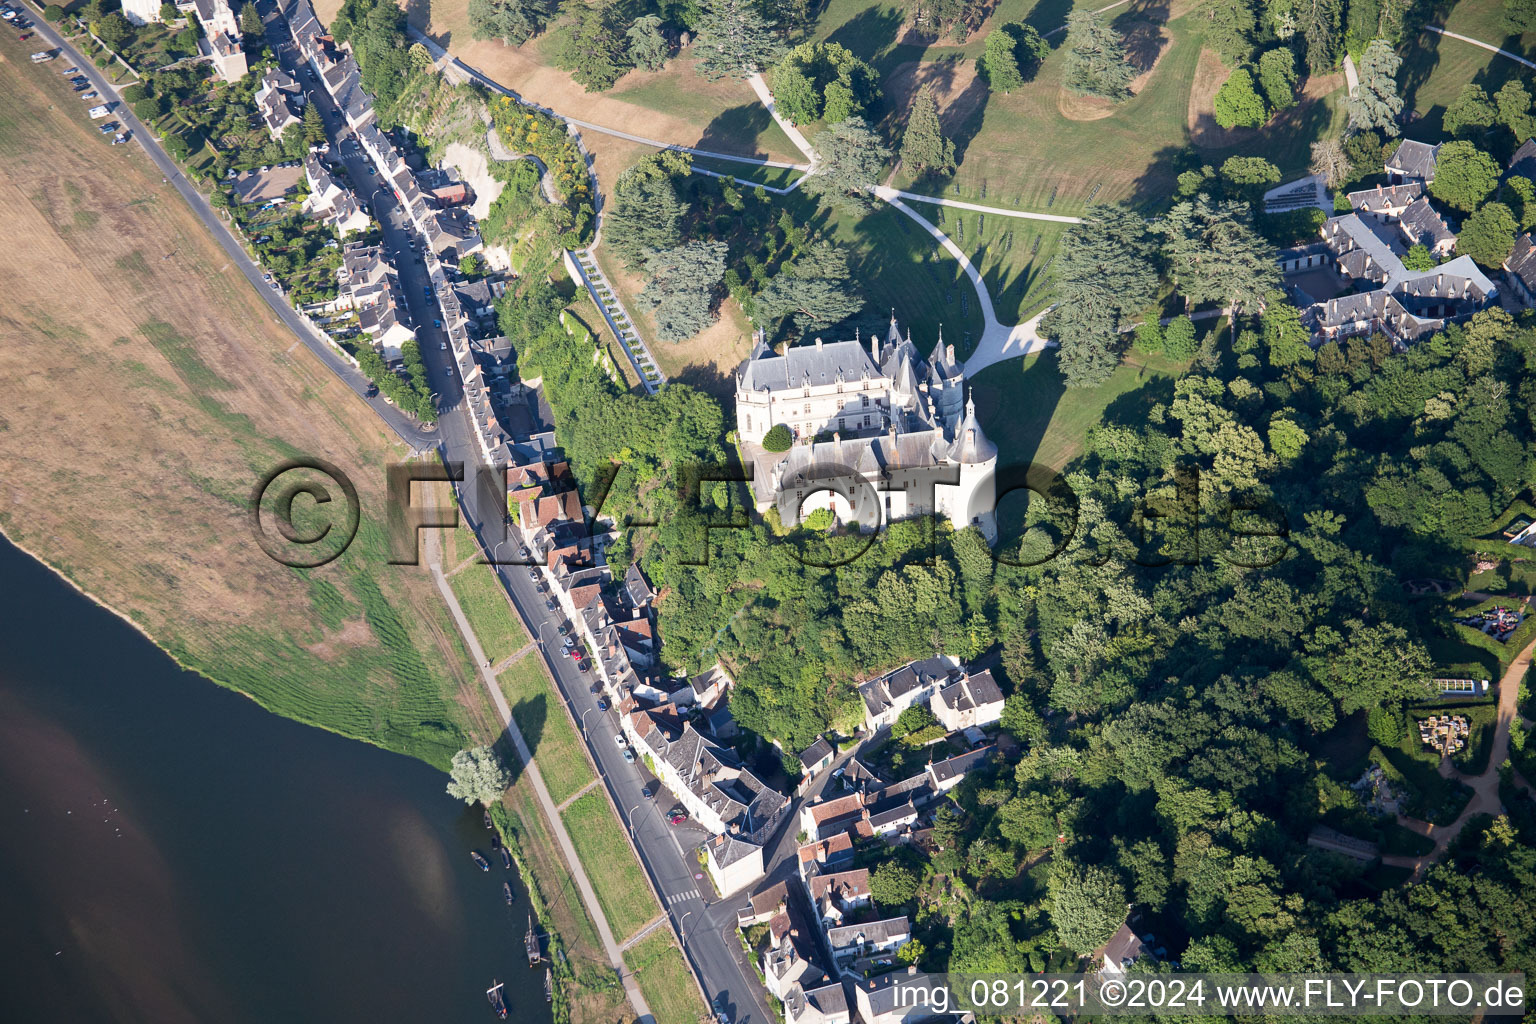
818,343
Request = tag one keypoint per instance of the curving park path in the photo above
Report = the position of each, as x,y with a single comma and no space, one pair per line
1485,787
1478,42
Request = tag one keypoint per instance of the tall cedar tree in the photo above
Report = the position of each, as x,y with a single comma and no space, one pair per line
1011,56
1096,64
735,40
1215,255
647,212
514,22
852,157
682,287
593,48
923,145
1105,272
1376,103
814,289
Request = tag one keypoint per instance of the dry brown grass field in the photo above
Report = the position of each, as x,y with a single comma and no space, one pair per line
146,389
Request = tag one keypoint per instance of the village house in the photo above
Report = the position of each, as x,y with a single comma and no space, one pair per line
870,938
221,34
279,101
837,895
823,1004
368,284
1412,162
331,203
814,759
878,1003
972,701
1520,270
824,854
877,421
887,696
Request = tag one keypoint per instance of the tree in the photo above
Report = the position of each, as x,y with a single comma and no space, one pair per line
54,13
923,145
852,157
1418,257
682,287
114,30
1214,254
1488,235
592,48
1087,904
1277,77
1519,16
735,40
1231,32
1465,176
1104,273
1251,175
219,199
250,22
1329,162
814,289
478,775
1375,666
648,48
470,266
420,58
314,127
149,108
294,146
1470,114
1376,104
1514,104
818,81
1011,55
1095,63
512,21
133,93
892,885
1320,24
1179,338
1520,193
778,439
1237,104
647,212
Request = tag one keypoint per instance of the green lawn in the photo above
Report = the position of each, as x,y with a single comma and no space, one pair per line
664,979
1028,414
489,612
541,717
1435,69
622,890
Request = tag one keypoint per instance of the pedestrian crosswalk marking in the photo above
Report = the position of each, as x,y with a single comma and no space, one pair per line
678,897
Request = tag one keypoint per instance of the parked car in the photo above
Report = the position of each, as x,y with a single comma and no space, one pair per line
563,629
533,574
274,286
437,323
570,642
24,37
677,817
108,128
629,756
582,666
645,792
602,705
445,346
90,95
119,138
72,69
596,687
550,605
619,740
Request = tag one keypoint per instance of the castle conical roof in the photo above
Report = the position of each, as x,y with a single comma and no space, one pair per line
971,443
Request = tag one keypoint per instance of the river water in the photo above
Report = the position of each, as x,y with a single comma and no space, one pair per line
171,852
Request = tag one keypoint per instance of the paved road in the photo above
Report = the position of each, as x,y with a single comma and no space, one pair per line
1478,42
708,930
408,429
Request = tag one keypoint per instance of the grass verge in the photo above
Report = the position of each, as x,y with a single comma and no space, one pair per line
664,979
490,613
605,852
541,717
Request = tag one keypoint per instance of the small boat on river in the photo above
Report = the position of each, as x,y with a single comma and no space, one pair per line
488,820
480,862
497,1003
506,890
506,858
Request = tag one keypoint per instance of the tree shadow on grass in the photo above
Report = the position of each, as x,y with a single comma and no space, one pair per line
736,130
869,34
530,714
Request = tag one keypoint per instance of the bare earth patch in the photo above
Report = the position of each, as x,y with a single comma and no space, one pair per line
956,87
1210,74
1145,44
